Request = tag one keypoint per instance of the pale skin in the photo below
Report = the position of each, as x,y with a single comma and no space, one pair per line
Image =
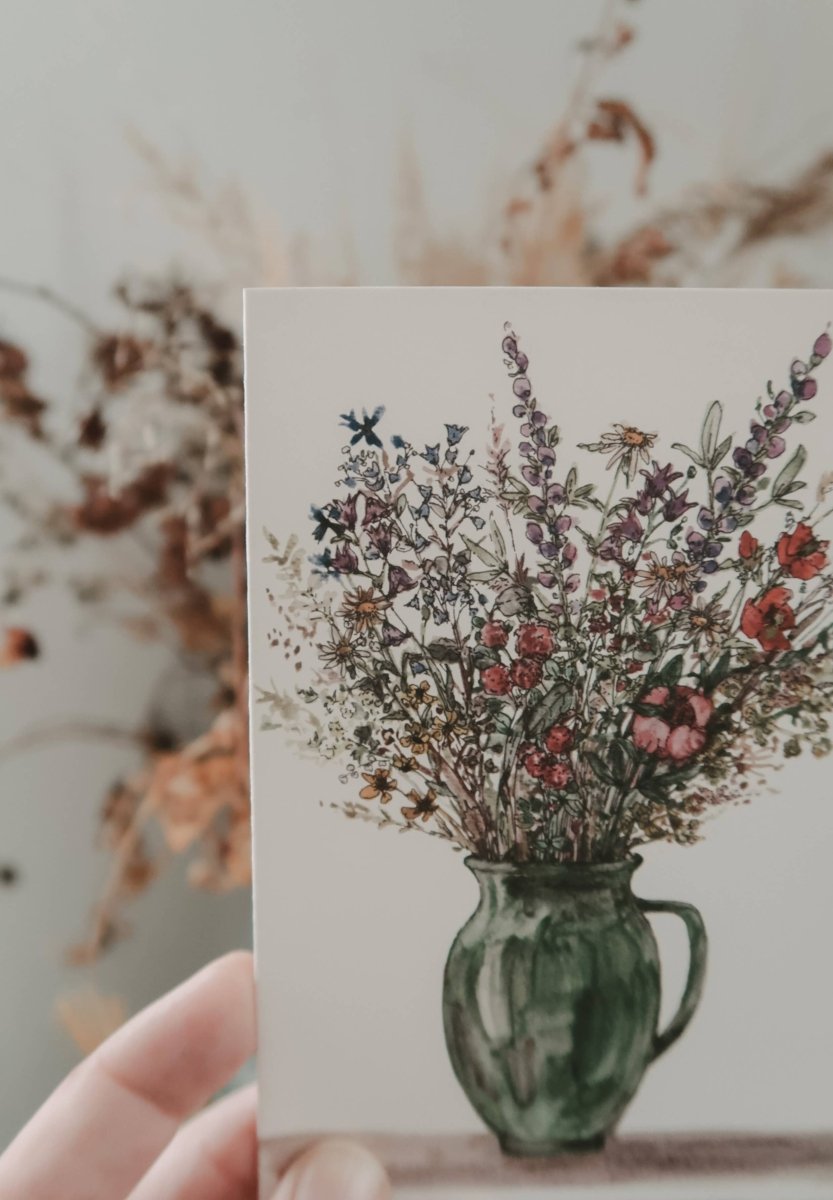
131,1121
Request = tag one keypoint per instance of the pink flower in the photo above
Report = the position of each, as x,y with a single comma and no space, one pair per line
534,760
525,673
496,680
557,774
494,635
678,729
535,641
559,739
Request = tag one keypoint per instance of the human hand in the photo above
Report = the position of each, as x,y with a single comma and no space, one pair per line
118,1125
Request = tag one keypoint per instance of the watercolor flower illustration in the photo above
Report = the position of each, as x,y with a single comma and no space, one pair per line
540,674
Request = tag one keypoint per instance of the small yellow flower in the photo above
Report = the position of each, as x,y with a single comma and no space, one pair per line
418,694
418,738
447,725
423,807
379,785
404,763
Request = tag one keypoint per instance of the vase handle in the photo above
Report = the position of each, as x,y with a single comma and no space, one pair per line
698,944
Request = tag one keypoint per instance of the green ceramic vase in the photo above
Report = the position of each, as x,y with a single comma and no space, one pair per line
551,1001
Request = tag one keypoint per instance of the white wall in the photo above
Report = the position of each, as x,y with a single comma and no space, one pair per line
303,102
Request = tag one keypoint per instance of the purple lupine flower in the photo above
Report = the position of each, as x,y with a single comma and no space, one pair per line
546,456
534,533
568,553
522,387
556,494
798,368
758,438
521,361
778,405
532,476
548,549
572,583
807,388
746,495
537,505
563,524
775,447
509,346
705,519
546,579
822,345
723,489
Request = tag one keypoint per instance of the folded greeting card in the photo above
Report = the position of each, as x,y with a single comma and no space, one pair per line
541,612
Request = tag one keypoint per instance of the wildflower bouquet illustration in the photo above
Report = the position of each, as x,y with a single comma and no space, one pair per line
550,674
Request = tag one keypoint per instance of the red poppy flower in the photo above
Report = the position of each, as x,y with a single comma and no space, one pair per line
766,620
800,553
535,641
748,545
678,729
496,680
525,673
557,774
559,739
494,635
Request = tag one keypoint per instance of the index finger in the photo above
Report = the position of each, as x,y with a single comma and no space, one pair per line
100,1131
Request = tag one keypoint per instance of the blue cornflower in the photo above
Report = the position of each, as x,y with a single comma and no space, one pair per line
365,427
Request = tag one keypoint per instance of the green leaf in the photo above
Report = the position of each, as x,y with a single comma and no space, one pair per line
512,600
598,766
498,539
443,650
711,431
803,416
672,672
720,671
481,552
553,704
783,480
484,656
695,458
721,451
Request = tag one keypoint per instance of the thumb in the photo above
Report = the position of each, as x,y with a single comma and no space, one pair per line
335,1170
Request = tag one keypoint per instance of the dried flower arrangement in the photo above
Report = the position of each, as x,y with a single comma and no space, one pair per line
534,673
155,459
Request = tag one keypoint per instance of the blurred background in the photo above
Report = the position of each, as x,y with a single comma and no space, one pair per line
156,159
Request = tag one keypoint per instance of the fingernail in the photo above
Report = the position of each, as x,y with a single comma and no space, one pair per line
335,1170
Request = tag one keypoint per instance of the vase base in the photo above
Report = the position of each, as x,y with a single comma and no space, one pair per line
518,1148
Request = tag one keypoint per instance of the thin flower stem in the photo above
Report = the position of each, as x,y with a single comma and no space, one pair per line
47,295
